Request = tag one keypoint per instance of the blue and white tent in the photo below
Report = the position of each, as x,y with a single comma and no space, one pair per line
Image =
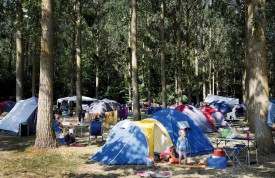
23,111
198,141
131,142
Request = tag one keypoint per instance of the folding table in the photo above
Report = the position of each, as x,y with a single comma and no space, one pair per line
249,143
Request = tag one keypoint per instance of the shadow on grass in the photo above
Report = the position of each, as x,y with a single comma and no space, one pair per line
15,143
94,175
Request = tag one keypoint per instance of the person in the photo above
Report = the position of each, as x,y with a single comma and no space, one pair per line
96,118
58,121
130,107
182,144
167,154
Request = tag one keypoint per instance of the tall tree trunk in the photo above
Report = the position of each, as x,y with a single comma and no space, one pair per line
33,59
136,108
34,43
44,131
19,53
178,56
188,62
78,58
72,65
258,77
197,77
213,80
11,52
97,56
130,62
149,74
162,56
203,78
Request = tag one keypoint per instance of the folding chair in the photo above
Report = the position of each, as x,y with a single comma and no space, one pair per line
96,129
232,155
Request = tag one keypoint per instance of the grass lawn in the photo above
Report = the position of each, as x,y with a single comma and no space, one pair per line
20,159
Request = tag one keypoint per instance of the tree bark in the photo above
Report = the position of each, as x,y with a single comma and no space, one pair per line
258,95
178,56
33,59
136,107
162,55
78,59
188,62
72,65
197,77
44,130
19,53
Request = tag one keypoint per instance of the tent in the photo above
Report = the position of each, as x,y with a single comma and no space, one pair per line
100,107
197,116
221,106
210,98
6,106
171,119
215,117
73,98
131,142
239,110
23,111
271,114
114,104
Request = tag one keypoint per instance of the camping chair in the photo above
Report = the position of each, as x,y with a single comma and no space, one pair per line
96,129
232,155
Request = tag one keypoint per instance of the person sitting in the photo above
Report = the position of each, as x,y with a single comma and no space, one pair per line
167,154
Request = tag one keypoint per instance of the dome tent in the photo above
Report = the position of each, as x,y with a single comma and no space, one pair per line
197,116
131,142
170,119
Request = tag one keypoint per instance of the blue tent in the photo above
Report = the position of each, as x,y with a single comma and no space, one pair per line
171,119
221,106
126,144
271,114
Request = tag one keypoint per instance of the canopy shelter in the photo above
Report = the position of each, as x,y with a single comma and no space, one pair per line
210,98
73,98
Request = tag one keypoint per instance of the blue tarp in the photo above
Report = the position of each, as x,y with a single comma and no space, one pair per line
170,118
126,144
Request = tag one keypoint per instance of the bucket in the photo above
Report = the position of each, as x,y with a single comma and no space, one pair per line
225,132
219,152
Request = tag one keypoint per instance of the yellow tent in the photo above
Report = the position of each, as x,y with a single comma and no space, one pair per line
157,136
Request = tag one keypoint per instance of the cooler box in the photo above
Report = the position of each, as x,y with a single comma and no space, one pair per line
23,129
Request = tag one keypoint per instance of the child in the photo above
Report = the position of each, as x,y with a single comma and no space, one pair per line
182,145
167,154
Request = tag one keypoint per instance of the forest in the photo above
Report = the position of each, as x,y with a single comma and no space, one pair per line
167,52
210,44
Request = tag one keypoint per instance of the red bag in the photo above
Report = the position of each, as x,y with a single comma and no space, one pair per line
174,160
219,152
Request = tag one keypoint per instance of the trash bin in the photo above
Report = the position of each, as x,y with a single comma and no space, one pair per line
23,129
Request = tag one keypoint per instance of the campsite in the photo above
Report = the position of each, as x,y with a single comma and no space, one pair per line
20,159
119,88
